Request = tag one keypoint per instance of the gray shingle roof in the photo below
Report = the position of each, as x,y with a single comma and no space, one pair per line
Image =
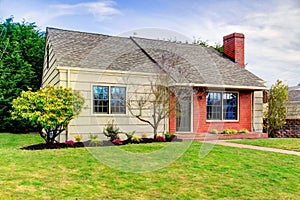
187,63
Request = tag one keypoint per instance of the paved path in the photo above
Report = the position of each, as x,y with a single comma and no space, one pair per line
231,144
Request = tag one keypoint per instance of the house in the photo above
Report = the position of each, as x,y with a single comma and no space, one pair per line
109,70
294,103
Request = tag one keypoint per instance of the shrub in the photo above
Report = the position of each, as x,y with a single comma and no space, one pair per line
78,138
244,131
160,138
94,139
225,131
129,135
49,110
144,135
111,131
169,136
69,142
117,141
214,131
233,131
136,139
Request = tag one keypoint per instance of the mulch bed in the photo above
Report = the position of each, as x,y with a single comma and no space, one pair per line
86,144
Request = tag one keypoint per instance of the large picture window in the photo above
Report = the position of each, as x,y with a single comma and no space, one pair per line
222,106
109,100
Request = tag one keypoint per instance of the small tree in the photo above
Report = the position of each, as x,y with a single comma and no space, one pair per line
157,99
276,111
50,109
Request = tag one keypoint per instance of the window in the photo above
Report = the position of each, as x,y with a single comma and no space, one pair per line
109,100
221,106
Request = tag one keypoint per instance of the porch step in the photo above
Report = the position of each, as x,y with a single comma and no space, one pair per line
207,136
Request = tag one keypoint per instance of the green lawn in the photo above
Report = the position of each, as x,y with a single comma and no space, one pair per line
225,173
292,144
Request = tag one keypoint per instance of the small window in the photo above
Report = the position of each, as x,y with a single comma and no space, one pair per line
109,100
221,106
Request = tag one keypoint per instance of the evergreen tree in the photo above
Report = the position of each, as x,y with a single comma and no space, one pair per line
21,64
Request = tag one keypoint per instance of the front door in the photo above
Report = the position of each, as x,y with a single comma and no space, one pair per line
183,111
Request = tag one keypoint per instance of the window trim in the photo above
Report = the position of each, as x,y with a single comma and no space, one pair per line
109,104
222,114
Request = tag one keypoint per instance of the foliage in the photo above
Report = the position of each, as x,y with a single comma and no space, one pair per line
229,131
216,46
111,131
129,135
49,110
214,131
276,111
225,131
244,131
136,139
21,66
78,138
169,136
95,139
117,141
233,131
144,135
69,142
160,138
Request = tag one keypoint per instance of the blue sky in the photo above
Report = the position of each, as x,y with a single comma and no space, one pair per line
271,27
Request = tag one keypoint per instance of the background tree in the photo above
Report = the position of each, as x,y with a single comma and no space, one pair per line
276,111
21,63
49,110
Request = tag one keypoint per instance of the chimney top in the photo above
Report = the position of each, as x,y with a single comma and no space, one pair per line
234,47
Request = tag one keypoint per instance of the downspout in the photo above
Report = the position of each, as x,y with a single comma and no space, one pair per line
68,86
253,112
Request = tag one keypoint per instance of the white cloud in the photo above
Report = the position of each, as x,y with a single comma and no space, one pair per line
43,13
101,10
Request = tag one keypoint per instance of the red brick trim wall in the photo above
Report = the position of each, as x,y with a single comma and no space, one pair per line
245,114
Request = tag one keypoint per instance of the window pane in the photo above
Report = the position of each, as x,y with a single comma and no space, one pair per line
100,94
230,106
118,100
213,106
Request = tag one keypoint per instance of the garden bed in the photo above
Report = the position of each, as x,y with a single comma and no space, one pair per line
89,143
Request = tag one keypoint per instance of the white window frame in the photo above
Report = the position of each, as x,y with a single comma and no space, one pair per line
109,99
222,104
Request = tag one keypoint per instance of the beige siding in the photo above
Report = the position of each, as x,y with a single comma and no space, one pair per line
50,73
257,111
88,122
293,110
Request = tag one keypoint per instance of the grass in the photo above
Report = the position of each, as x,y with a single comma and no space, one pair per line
8,140
225,173
292,144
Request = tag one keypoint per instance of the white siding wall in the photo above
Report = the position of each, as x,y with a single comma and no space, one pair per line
90,123
257,111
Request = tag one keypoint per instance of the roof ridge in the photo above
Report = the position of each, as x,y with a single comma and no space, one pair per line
88,33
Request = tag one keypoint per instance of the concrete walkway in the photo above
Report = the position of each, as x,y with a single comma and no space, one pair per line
231,144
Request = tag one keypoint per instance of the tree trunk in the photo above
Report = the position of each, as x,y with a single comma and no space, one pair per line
155,132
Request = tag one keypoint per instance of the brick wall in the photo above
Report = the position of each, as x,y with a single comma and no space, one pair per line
245,114
172,116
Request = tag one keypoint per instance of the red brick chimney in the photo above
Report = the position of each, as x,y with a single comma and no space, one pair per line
234,47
